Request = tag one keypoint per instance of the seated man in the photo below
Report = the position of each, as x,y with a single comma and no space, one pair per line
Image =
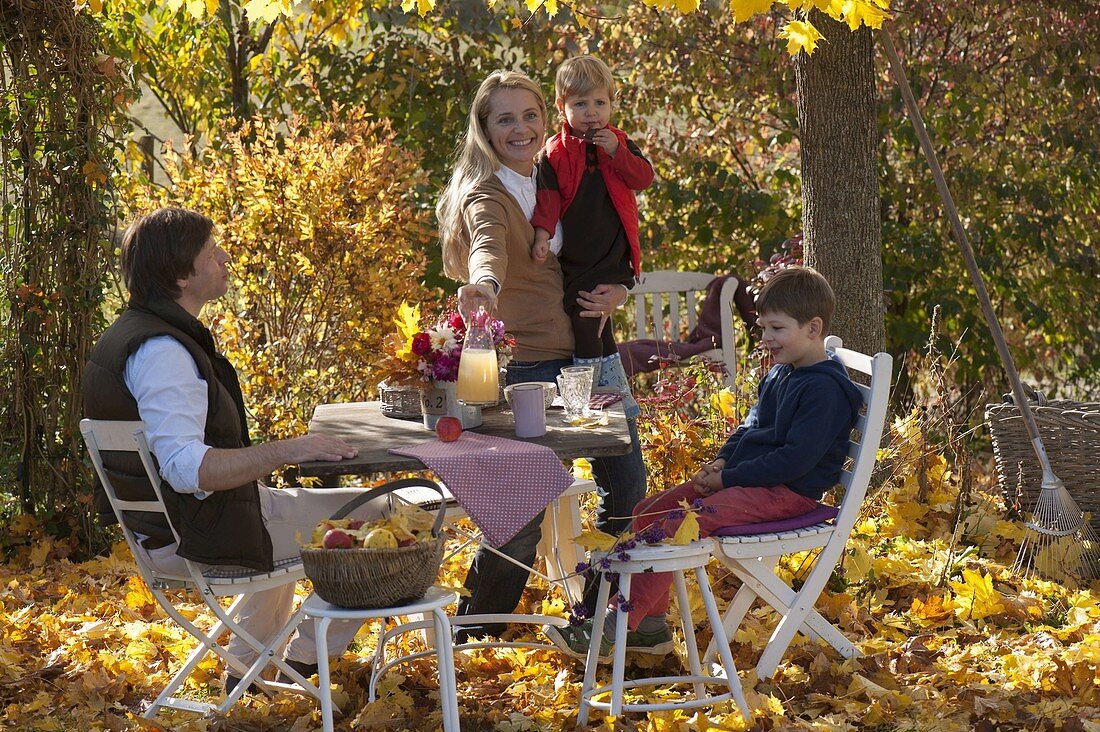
158,363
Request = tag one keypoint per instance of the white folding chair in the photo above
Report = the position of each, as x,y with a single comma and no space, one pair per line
210,584
666,307
753,556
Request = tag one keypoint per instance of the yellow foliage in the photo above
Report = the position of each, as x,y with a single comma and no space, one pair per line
744,9
321,231
975,597
596,541
800,36
688,531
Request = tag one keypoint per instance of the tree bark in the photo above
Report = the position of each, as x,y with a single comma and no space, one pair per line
840,194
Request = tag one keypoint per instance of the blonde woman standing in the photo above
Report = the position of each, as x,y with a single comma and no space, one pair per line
484,216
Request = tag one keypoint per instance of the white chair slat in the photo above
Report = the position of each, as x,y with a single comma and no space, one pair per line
656,314
675,299
674,305
691,308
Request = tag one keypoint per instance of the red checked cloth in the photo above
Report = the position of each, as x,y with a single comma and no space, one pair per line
502,484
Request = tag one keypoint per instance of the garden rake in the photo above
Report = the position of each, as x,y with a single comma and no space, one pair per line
1058,541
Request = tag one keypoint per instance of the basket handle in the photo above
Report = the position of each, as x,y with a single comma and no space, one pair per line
1034,396
392,486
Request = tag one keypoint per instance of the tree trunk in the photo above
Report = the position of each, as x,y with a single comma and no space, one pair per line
840,194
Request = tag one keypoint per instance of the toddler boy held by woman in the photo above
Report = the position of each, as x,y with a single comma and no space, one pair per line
776,465
587,176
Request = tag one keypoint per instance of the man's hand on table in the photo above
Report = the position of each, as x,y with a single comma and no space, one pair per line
318,447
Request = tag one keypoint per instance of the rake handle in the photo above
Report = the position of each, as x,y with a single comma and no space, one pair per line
898,71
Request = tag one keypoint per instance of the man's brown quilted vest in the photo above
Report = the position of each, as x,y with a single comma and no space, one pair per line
227,526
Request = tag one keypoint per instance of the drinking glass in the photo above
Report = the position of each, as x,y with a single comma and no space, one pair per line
575,385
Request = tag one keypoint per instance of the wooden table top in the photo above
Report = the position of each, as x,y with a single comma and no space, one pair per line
362,425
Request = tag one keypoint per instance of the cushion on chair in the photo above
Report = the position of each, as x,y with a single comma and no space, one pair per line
816,516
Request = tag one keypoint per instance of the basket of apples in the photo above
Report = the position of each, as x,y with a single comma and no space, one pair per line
385,562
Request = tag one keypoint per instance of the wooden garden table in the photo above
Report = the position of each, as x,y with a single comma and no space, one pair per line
364,426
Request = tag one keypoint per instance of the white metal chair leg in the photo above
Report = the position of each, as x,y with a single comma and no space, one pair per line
561,524
732,679
776,593
270,656
433,602
661,558
618,670
445,664
323,683
593,658
737,609
684,607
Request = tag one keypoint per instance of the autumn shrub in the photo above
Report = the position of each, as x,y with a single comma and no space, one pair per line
686,417
323,240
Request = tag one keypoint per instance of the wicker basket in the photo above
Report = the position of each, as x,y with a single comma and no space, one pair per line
373,578
402,402
1071,437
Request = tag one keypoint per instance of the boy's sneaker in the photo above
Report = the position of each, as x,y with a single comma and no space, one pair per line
658,642
574,640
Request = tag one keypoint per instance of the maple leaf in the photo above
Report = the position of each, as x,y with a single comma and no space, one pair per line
267,11
861,12
723,402
407,320
745,9
596,540
800,36
931,612
832,7
688,531
975,596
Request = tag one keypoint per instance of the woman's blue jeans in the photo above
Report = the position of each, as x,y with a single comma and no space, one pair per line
496,584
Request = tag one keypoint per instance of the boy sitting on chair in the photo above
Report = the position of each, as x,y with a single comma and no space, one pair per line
776,465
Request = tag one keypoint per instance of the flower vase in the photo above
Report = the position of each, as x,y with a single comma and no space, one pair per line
441,400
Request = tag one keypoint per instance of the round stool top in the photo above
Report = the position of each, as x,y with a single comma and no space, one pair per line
435,597
660,557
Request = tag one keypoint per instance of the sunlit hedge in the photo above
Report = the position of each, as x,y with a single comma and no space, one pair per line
323,238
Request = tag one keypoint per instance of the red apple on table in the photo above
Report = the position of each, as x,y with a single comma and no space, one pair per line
337,539
354,524
448,429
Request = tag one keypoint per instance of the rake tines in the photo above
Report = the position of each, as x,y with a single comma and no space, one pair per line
1058,541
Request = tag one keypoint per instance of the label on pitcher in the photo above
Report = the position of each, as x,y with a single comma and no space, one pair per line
434,401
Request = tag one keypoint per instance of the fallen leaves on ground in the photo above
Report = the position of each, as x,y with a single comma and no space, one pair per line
952,641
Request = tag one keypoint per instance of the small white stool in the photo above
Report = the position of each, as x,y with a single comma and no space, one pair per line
433,602
659,558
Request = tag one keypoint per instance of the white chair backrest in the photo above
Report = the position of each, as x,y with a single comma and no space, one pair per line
666,307
124,436
863,450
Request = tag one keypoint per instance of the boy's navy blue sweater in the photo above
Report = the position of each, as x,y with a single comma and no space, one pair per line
797,432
